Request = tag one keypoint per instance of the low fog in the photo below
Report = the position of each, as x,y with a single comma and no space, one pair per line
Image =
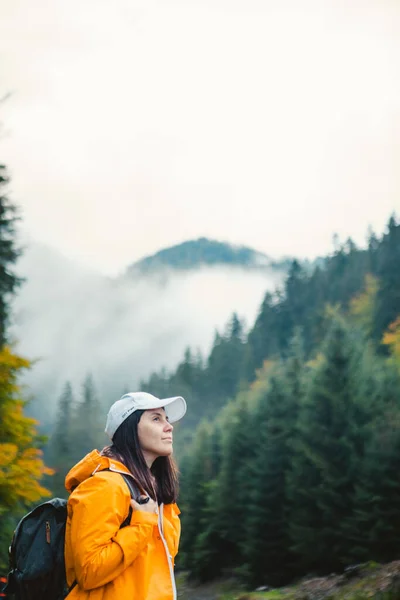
71,322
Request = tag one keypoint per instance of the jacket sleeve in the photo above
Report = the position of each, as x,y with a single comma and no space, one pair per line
101,550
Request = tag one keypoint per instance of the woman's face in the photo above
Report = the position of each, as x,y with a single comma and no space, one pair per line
155,434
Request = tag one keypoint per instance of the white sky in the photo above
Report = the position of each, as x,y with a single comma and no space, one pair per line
135,125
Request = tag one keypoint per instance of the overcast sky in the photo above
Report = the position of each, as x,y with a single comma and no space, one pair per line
137,124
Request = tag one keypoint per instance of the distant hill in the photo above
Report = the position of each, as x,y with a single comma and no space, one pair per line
73,321
203,251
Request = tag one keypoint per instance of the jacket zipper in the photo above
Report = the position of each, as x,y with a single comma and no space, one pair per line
160,529
169,557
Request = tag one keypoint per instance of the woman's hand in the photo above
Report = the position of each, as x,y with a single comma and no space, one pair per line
149,507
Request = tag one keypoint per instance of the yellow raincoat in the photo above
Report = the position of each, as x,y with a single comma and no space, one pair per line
109,563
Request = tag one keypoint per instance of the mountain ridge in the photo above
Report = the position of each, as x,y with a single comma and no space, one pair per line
203,251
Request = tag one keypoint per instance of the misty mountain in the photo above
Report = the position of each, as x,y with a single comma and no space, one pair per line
193,254
71,321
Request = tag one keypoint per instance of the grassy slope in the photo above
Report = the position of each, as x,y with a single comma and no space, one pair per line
379,582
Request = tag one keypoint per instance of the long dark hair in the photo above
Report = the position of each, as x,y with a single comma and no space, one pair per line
125,447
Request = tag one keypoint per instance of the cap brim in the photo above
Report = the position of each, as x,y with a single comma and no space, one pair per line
175,408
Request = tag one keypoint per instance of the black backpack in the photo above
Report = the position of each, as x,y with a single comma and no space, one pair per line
37,569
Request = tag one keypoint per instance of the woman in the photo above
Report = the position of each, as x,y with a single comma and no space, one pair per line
117,547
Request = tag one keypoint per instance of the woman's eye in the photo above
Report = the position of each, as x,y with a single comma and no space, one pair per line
156,419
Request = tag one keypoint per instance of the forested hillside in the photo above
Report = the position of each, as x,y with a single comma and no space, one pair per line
290,450
122,328
362,282
195,253
298,472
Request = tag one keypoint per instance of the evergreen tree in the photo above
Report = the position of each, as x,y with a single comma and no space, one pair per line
387,305
186,371
88,427
376,511
230,496
61,452
263,338
362,306
329,445
8,254
372,251
267,544
376,521
198,469
205,562
225,361
296,297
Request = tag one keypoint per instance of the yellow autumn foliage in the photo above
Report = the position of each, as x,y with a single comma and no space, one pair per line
391,338
21,462
316,362
261,382
362,306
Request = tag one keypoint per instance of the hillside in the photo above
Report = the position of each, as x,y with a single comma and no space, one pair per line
193,254
358,582
121,329
298,426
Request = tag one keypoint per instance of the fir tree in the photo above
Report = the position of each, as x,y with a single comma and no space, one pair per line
267,544
224,363
88,428
8,254
387,306
61,452
198,469
377,515
230,495
328,453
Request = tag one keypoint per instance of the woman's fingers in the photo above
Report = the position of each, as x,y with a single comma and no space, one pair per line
143,499
148,506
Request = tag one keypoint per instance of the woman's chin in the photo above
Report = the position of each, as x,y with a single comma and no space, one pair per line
167,451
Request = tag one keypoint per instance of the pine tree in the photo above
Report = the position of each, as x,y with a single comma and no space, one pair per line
362,306
205,560
329,445
8,254
267,544
387,305
220,541
296,297
224,363
87,430
263,339
377,514
61,451
198,469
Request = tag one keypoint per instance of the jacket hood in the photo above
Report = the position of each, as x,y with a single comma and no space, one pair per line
89,465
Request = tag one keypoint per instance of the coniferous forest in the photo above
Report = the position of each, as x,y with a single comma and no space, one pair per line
293,466
290,452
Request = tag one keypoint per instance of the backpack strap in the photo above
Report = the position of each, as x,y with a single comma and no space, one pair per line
134,492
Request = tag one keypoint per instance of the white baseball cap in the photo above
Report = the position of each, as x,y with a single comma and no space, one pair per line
175,408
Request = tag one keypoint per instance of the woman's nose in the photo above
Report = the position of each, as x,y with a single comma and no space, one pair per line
168,427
